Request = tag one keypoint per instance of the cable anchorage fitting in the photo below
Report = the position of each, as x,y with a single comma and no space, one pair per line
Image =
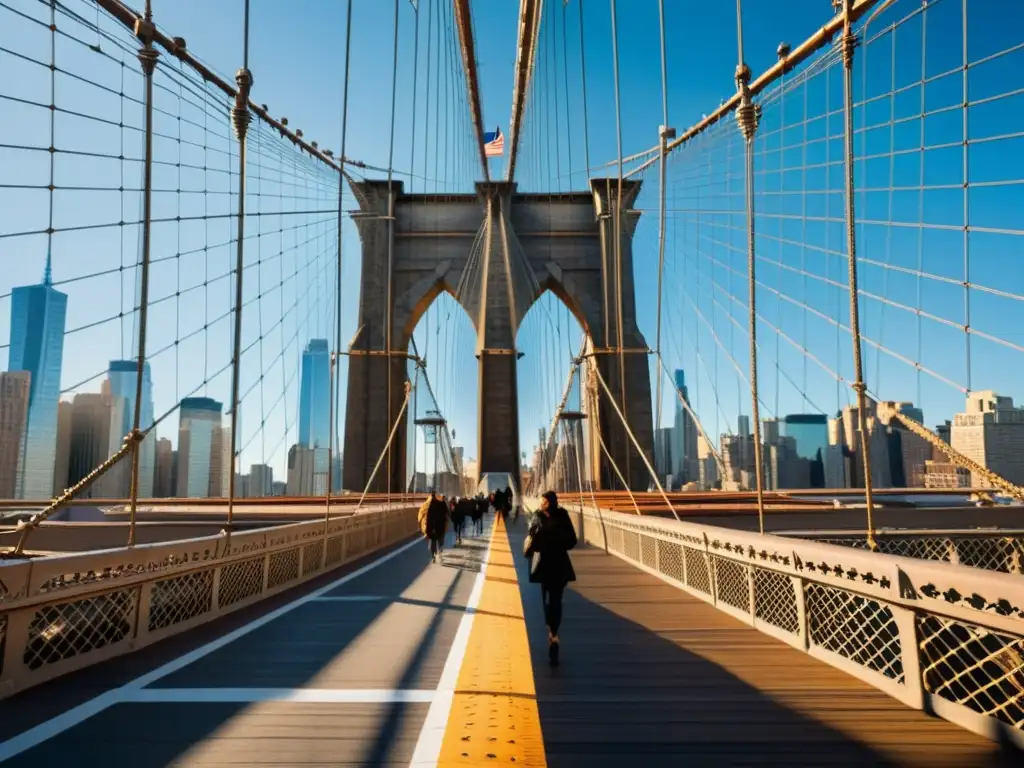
848,43
240,115
145,31
748,114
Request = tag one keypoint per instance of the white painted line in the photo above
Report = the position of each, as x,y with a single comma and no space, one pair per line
428,745
47,730
350,598
256,695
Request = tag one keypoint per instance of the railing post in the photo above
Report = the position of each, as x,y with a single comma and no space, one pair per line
709,561
910,657
954,552
752,592
801,612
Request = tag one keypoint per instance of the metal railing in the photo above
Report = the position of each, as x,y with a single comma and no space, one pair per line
1001,550
60,614
934,635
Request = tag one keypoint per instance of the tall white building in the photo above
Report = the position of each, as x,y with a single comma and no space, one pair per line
261,480
991,432
200,449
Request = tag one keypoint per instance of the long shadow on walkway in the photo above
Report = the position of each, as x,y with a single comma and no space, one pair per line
654,677
399,641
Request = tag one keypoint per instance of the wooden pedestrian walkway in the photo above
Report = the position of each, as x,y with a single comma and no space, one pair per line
398,661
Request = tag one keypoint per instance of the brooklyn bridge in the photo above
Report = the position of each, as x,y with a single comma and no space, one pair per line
705,285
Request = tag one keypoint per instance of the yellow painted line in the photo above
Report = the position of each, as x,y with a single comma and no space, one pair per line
494,718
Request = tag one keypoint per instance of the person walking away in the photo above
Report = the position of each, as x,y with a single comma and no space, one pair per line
421,519
459,514
450,502
433,518
547,546
479,510
507,502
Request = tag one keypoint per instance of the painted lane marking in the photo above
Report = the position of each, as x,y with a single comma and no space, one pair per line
431,738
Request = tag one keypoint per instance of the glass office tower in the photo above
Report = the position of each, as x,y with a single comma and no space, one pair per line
315,412
38,314
122,377
200,439
810,431
315,395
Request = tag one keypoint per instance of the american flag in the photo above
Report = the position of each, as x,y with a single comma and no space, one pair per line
494,144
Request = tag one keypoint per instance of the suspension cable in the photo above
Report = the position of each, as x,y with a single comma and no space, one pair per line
335,404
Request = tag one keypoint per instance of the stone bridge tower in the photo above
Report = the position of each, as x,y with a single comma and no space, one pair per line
496,252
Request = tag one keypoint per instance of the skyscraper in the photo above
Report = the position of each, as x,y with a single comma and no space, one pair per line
14,389
65,414
38,313
684,464
810,433
991,432
122,376
199,448
315,395
163,469
96,421
261,481
315,411
663,453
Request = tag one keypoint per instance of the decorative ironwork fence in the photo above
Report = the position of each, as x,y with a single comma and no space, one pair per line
59,614
1001,551
935,635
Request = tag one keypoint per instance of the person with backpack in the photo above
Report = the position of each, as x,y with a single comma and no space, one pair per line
433,520
547,547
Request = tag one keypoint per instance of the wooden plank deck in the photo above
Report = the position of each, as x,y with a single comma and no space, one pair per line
650,677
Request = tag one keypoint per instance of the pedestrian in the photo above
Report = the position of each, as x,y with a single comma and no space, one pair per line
433,519
460,510
479,510
547,546
506,503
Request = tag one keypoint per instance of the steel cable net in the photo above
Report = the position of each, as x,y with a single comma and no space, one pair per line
934,87
71,226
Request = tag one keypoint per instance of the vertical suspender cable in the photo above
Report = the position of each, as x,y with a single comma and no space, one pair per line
849,42
391,237
663,135
618,232
583,76
553,61
412,167
747,116
565,83
148,58
335,404
240,118
426,116
415,85
437,105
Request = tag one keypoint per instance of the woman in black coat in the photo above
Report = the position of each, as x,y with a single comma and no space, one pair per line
547,545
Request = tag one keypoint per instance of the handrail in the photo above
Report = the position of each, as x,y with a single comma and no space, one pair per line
934,635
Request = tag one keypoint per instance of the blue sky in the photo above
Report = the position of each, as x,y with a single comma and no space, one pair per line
296,60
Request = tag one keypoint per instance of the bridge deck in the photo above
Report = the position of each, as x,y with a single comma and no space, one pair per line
383,665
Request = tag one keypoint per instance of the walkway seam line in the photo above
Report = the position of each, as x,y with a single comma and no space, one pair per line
72,717
431,738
